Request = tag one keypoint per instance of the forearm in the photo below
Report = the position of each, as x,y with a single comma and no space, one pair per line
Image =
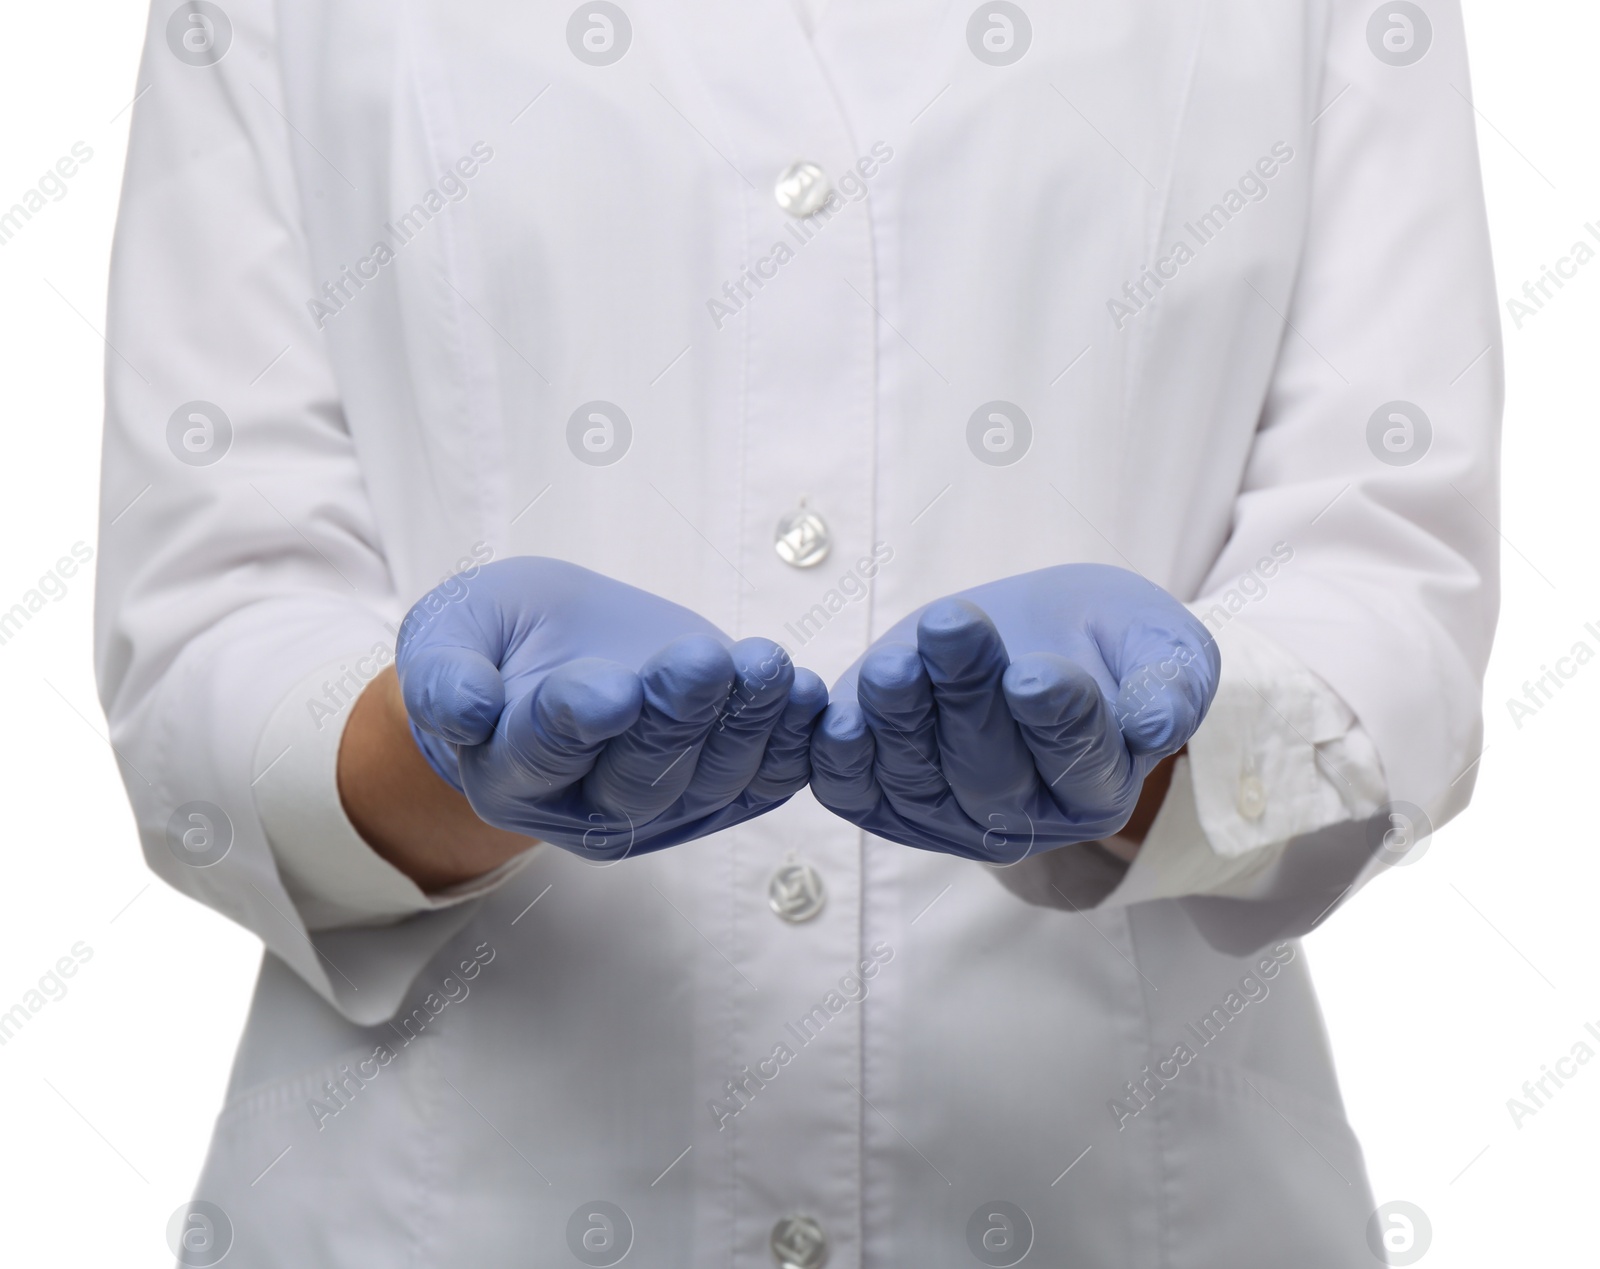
406,813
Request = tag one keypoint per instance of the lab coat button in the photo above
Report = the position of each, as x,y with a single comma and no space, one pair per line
802,538
796,892
799,1243
1252,797
802,188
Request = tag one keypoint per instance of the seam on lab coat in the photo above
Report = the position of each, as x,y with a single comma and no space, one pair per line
477,417
289,1090
736,1041
426,1218
1164,1167
745,194
1157,208
1220,1079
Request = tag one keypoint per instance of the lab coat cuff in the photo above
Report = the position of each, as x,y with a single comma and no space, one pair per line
1279,754
1177,858
334,877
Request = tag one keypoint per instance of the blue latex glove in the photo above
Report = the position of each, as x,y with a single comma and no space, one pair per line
587,713
1015,717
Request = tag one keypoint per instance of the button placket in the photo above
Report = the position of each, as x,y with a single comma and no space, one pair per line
799,1139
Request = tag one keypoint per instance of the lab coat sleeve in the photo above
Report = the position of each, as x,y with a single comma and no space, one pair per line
1390,591
239,560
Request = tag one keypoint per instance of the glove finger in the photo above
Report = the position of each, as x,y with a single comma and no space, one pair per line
842,751
1165,663
552,737
647,768
762,678
896,698
1167,680
981,750
786,763
454,693
1069,727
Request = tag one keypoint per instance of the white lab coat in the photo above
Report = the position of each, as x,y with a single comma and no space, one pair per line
369,266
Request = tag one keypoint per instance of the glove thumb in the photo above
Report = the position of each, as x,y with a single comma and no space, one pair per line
449,675
455,694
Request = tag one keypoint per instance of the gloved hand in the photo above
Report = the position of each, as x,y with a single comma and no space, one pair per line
596,716
1017,716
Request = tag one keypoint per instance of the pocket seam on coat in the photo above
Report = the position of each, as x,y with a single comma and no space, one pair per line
276,1094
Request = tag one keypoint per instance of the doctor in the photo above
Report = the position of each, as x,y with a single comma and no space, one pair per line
639,548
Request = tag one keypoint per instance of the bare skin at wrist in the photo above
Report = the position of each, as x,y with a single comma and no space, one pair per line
1125,845
406,813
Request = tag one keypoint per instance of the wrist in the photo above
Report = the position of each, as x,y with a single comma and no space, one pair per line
409,814
1125,843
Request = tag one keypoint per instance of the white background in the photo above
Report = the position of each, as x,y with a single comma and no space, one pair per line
1446,985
